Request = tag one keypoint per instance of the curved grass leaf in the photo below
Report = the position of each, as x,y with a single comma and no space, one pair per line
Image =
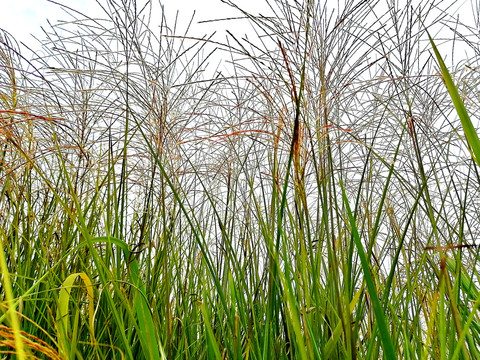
62,310
468,128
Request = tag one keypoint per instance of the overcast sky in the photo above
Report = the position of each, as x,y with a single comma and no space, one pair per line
24,17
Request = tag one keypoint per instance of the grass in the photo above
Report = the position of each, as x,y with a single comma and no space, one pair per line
317,199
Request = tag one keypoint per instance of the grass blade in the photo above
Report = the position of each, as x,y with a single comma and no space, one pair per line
468,128
372,290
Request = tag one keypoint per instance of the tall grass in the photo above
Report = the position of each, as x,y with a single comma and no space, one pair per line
319,201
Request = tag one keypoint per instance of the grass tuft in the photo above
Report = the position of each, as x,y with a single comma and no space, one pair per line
314,199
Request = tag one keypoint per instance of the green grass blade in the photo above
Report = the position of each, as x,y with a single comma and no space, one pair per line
468,128
11,305
146,327
62,321
213,350
387,343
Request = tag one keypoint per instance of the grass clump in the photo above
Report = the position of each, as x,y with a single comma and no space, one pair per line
316,199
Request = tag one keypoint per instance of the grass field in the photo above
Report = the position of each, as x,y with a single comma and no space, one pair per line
319,198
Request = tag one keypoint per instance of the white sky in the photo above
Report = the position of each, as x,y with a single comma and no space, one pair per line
24,17
21,18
